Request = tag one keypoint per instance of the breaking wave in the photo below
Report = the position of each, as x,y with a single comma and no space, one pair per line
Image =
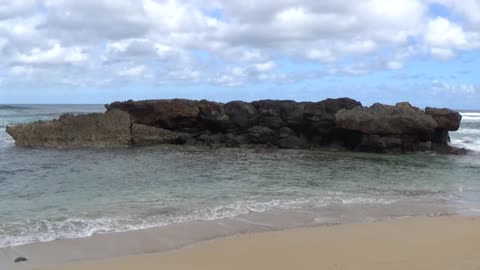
470,116
11,107
470,144
468,136
32,231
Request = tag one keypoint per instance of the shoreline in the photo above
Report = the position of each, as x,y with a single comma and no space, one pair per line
177,237
445,242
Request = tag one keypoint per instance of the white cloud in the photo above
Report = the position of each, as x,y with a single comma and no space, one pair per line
21,70
445,38
264,67
185,74
357,46
135,71
468,9
462,89
94,20
398,60
54,55
322,55
9,8
442,33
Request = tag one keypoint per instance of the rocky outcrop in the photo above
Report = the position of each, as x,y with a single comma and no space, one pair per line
91,130
342,122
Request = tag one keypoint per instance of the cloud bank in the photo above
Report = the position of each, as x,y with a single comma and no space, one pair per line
93,43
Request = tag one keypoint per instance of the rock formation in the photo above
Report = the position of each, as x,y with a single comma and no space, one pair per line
342,122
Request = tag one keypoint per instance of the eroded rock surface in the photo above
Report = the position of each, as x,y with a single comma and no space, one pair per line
90,130
382,119
147,135
445,118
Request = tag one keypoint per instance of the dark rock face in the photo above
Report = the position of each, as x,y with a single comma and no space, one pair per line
176,114
146,135
293,142
319,118
339,122
241,114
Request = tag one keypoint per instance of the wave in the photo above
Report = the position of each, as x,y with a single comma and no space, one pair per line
470,114
5,139
471,118
10,107
469,131
473,145
32,231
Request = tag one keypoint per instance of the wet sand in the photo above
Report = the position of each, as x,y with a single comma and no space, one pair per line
410,243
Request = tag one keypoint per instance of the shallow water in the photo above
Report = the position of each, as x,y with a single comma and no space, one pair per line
48,194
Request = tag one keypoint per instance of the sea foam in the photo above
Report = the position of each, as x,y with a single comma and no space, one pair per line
33,231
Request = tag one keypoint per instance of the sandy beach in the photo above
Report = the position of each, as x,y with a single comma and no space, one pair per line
410,243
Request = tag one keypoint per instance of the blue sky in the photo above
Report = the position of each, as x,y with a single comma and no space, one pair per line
66,51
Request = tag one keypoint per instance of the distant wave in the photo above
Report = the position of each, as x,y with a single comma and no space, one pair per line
10,107
471,118
32,115
470,114
469,131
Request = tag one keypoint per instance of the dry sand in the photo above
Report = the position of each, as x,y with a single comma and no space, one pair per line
413,243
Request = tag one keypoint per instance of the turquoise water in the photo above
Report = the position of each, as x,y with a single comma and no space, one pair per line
48,194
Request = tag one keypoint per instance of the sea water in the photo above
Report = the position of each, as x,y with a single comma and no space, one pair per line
49,194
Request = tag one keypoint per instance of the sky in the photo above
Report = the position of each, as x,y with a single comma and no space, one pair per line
98,51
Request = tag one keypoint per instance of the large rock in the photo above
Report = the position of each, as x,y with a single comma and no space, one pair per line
445,118
90,130
385,120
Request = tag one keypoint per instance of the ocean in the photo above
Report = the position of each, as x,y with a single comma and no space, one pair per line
50,194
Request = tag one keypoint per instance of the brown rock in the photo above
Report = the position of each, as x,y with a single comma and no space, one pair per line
98,130
445,118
